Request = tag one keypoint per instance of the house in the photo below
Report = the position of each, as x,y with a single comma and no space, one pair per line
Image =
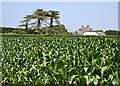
87,31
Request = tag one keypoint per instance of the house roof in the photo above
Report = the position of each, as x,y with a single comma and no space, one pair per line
87,30
83,29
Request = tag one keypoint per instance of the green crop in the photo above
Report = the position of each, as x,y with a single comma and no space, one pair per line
60,61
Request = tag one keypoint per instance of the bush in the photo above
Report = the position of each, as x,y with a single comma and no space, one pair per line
19,31
57,29
112,32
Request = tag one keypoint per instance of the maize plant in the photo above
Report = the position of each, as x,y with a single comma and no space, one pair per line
60,61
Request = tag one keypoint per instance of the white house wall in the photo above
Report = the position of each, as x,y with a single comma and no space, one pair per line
90,33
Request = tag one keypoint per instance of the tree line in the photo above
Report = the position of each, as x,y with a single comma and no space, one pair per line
54,28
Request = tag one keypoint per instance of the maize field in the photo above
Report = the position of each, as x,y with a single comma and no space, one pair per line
60,61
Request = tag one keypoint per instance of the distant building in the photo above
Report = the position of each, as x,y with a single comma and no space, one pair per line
87,31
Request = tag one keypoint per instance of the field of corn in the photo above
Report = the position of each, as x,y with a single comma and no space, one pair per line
60,61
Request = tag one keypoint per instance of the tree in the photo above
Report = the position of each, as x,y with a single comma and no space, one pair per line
46,22
53,15
39,15
27,18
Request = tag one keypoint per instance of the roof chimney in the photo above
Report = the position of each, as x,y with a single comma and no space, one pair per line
82,26
88,26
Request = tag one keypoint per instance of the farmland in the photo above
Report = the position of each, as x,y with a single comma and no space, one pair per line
60,61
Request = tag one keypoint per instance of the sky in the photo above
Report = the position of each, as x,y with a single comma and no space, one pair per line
60,0
99,15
